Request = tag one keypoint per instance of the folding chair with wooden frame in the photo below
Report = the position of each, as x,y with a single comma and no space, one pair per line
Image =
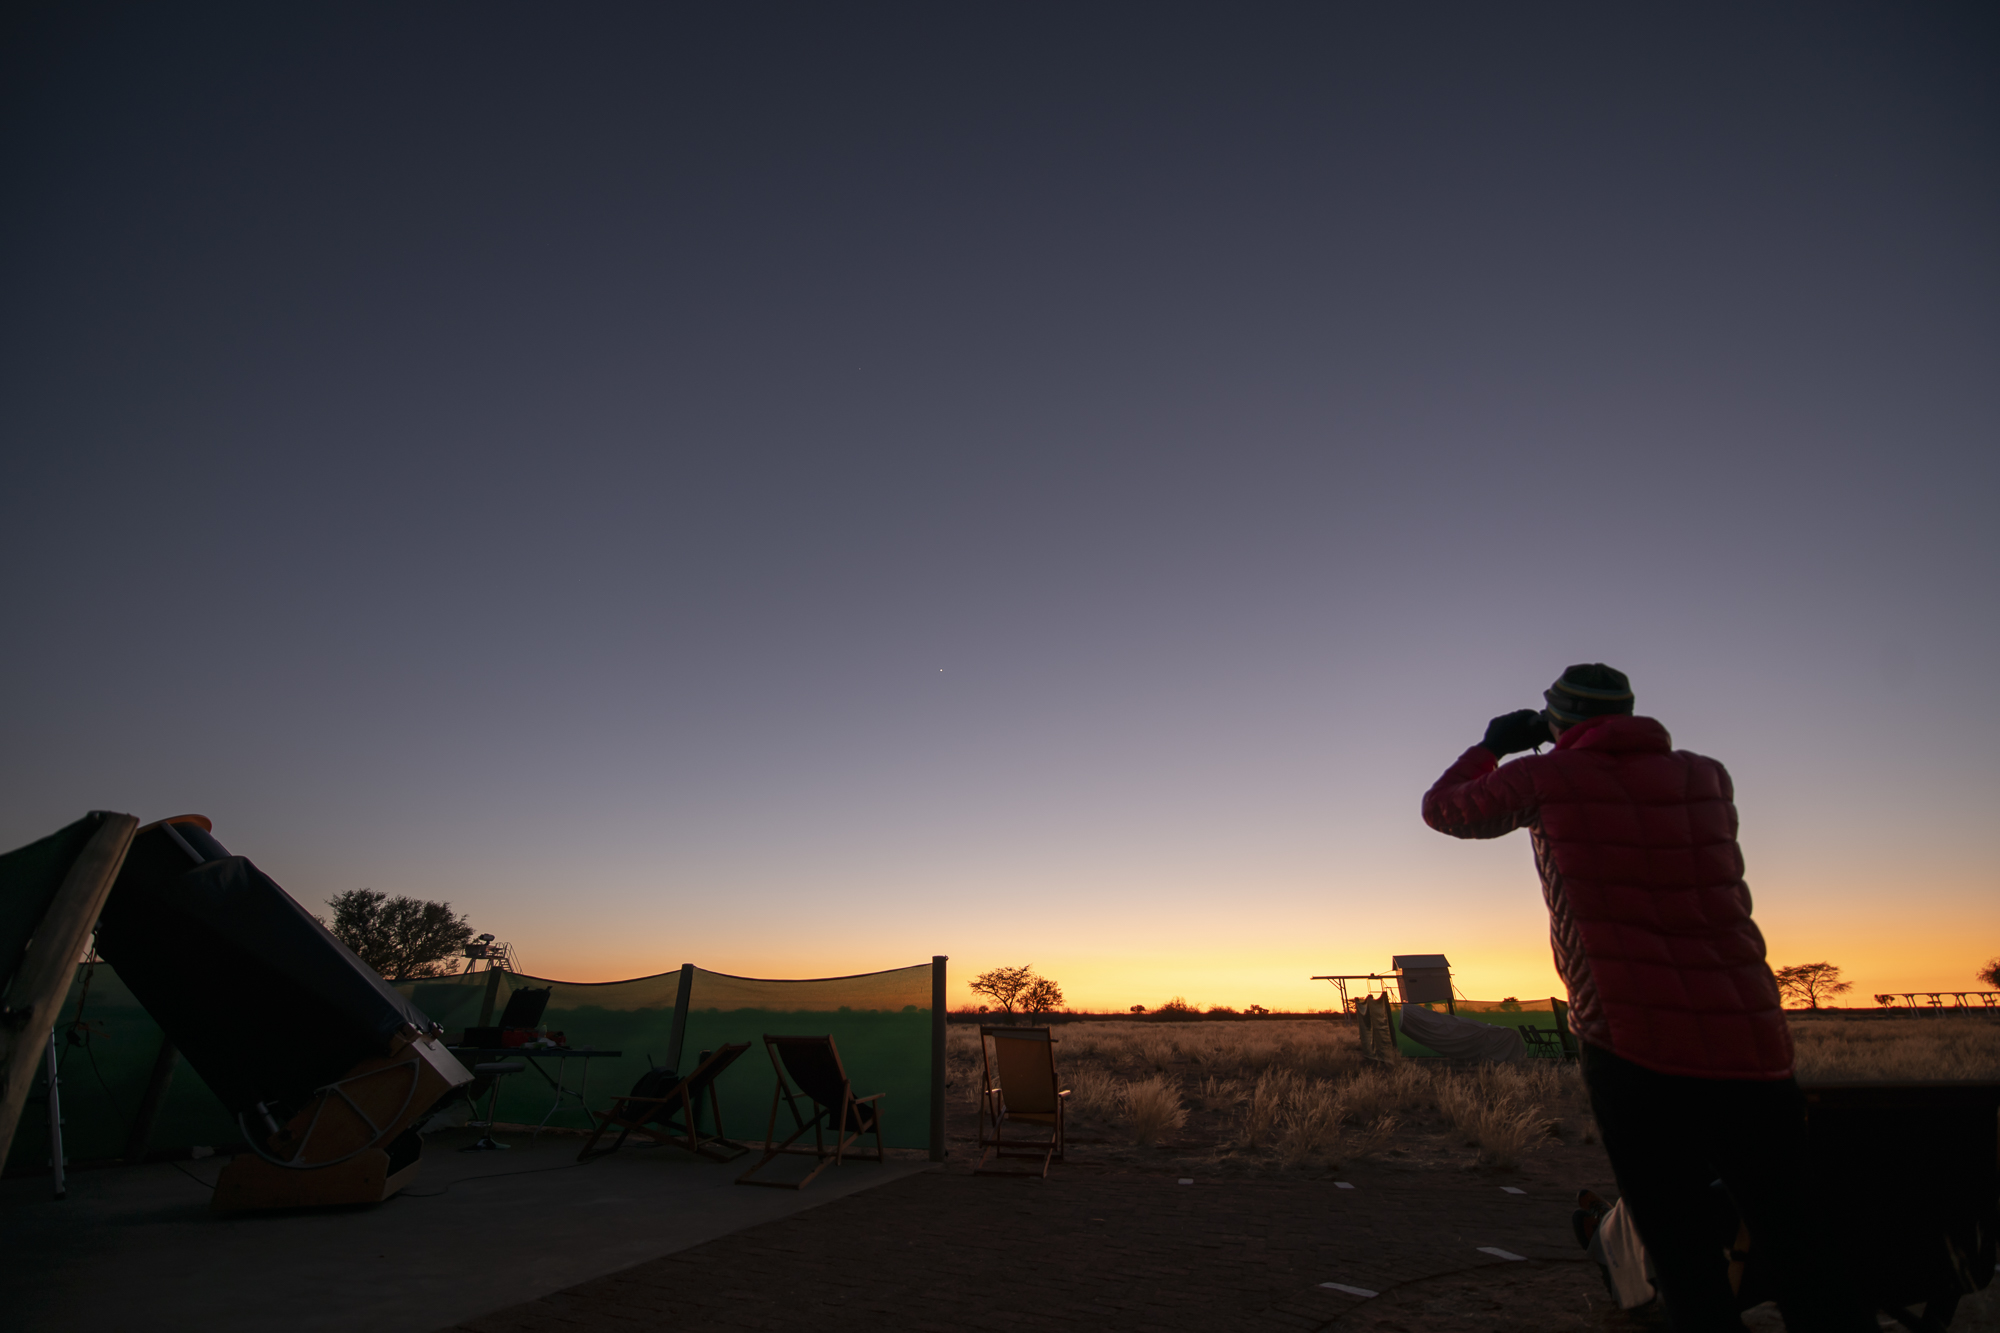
1020,1086
814,1065
637,1113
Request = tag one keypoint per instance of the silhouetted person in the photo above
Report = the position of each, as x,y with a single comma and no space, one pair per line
1686,1052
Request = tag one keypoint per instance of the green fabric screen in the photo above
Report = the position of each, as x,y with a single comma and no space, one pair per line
633,1017
1539,1014
1497,1013
104,1081
879,1021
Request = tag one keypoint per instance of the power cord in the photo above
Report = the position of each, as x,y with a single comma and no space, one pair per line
205,1184
1366,1301
408,1194
497,1175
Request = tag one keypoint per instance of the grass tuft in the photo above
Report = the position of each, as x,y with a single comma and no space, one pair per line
1153,1109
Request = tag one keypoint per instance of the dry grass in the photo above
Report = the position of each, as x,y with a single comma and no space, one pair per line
1837,1050
1218,1094
1094,1091
1152,1109
1289,1094
1295,1096
1495,1108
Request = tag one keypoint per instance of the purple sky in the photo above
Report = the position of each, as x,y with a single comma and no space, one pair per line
792,488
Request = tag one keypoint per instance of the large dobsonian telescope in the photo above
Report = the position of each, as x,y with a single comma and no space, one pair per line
327,1070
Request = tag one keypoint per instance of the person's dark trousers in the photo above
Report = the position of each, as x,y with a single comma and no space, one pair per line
1668,1138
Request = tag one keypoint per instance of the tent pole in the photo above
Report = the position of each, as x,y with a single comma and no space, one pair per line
55,1118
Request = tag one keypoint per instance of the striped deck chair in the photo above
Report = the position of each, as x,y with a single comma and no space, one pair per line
822,1083
1020,1088
658,1099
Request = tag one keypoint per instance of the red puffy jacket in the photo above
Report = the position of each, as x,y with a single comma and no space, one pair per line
1648,911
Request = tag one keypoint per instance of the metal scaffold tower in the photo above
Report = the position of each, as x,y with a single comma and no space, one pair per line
498,955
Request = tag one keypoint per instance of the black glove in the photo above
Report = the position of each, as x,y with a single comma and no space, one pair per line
1511,732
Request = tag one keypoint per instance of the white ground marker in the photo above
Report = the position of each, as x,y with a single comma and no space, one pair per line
1499,1253
1342,1185
1352,1291
1187,1180
1509,1189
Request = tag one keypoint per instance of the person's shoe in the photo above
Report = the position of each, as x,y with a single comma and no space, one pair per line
1590,1210
1583,1222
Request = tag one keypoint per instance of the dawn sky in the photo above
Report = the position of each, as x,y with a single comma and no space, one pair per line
801,489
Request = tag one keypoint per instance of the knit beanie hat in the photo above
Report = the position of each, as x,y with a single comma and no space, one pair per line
1590,689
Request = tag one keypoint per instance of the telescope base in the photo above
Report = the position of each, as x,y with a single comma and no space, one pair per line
250,1183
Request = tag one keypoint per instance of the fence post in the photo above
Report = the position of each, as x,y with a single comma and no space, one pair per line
678,1035
493,975
937,1056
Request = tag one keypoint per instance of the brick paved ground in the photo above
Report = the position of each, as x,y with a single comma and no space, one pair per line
1092,1248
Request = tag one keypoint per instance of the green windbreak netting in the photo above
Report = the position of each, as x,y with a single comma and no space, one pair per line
104,1081
881,1023
635,1018
1537,1014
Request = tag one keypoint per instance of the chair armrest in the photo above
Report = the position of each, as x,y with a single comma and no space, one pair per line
871,1097
1063,1093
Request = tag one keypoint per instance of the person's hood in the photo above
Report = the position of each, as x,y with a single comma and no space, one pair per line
1617,733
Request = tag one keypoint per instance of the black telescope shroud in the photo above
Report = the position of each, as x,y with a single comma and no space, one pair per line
264,1002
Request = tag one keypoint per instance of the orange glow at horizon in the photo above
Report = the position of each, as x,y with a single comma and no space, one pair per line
1875,957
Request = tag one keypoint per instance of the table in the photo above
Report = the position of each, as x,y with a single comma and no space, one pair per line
562,1055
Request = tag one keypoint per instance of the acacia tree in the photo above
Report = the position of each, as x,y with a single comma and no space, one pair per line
1004,985
1809,983
402,938
1042,997
1990,974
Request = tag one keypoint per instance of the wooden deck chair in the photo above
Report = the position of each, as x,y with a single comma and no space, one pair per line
1020,1087
658,1099
814,1065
